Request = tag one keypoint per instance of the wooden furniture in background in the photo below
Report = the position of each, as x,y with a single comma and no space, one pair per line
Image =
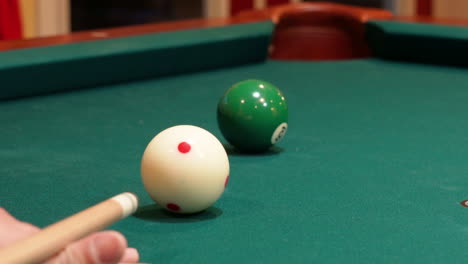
10,22
40,18
319,31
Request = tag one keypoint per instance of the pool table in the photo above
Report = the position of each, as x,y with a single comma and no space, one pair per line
373,169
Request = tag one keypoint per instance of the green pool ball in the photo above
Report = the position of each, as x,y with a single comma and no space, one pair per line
253,115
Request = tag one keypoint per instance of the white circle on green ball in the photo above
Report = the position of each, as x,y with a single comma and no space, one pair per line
279,133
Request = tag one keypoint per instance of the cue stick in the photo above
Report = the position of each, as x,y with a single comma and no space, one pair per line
52,239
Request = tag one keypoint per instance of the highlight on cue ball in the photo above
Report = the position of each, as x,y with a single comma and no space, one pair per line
185,169
253,115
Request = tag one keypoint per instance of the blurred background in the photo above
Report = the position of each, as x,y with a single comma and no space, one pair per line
39,18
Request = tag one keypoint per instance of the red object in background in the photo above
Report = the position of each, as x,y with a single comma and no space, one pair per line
276,2
424,7
319,31
238,6
10,22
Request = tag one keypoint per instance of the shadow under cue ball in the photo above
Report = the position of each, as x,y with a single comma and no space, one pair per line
253,115
185,169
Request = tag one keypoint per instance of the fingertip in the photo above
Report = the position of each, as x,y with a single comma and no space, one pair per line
108,246
131,255
116,235
5,215
10,221
3,211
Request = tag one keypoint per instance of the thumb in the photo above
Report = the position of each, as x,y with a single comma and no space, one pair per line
105,247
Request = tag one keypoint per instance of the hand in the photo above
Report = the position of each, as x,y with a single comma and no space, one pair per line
106,247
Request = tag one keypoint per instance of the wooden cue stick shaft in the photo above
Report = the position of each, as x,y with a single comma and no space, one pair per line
52,239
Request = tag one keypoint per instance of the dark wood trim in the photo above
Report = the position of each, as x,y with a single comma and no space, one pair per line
359,13
274,13
123,32
424,7
319,31
432,20
253,16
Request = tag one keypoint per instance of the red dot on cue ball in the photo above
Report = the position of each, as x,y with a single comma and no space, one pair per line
173,207
184,147
226,182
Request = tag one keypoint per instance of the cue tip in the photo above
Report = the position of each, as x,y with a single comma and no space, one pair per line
128,201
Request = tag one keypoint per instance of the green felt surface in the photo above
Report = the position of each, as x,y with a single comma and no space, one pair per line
81,65
423,43
372,169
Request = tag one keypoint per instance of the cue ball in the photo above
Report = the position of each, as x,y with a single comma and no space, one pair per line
185,169
253,115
